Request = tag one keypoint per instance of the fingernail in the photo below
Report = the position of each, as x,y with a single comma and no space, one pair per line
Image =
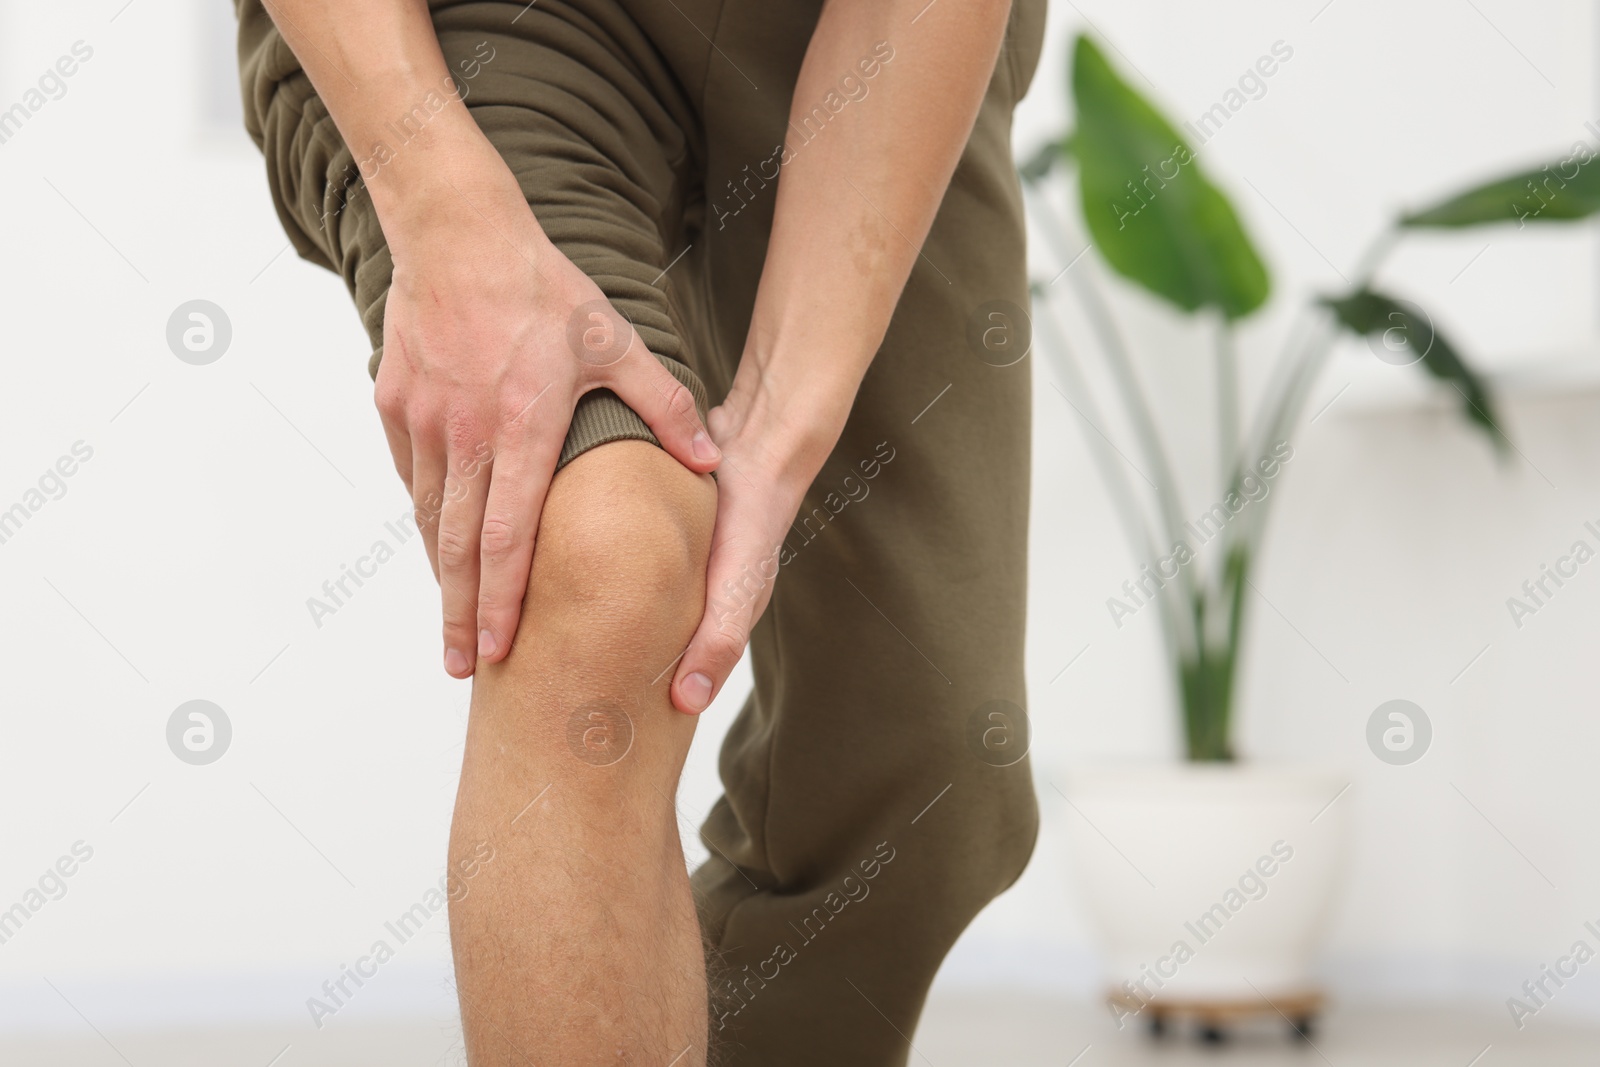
696,690
485,643
454,661
703,448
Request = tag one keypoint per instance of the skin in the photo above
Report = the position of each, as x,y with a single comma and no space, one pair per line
578,943
550,591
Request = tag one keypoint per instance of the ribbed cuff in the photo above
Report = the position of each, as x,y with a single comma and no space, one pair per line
601,416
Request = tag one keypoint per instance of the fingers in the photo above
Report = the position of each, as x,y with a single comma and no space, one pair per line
738,586
400,449
466,493
389,399
522,474
427,469
666,406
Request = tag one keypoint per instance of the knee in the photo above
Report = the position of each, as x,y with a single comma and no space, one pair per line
1007,831
983,851
622,547
1017,832
616,590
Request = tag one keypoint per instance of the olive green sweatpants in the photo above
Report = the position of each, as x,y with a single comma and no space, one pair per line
876,791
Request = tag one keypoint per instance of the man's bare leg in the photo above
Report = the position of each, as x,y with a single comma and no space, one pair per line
577,943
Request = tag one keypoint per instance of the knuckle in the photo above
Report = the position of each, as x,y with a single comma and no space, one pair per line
514,407
492,607
500,539
423,412
456,550
726,644
463,432
680,401
460,617
390,400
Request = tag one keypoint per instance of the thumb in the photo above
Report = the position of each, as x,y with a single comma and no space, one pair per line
667,406
738,587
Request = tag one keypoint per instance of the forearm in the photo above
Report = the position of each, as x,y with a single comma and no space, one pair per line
377,66
856,201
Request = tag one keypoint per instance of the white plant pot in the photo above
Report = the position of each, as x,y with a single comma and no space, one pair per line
1207,882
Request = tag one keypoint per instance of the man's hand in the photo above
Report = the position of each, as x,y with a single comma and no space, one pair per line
491,335
772,449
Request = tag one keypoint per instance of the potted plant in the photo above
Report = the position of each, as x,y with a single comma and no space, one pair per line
1209,880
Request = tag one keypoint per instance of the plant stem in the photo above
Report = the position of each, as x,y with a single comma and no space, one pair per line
1082,401
1176,626
1112,467
1168,498
1230,461
1280,414
1295,377
1227,404
1301,330
1209,678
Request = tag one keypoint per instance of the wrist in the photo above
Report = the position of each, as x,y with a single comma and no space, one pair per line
447,175
788,423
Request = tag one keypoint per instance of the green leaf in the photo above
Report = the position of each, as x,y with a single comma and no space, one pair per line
1042,162
1568,189
1408,331
1150,209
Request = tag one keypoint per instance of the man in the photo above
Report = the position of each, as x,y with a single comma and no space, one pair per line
604,248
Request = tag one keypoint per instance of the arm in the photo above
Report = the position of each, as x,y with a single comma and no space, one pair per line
477,385
852,211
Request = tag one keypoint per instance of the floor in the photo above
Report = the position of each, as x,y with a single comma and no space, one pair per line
1004,1031
989,1031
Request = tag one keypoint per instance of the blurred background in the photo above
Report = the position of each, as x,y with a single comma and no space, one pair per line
207,503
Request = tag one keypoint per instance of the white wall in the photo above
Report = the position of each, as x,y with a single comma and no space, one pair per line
218,498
